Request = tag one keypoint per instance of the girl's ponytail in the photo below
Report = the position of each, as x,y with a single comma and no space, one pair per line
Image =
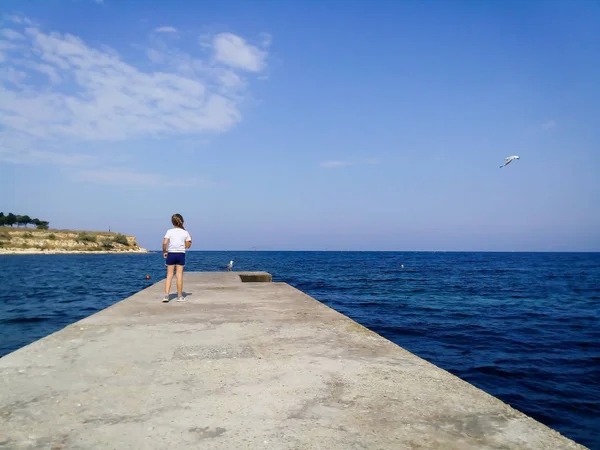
177,221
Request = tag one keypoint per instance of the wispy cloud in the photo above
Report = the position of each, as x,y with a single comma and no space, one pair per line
12,76
165,30
58,92
111,100
371,161
18,19
332,164
28,150
119,176
548,125
11,34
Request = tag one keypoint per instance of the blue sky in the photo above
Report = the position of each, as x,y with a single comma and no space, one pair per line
305,125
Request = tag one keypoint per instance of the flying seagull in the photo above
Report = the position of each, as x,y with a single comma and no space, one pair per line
509,160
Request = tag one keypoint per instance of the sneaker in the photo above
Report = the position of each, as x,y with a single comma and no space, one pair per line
181,298
165,299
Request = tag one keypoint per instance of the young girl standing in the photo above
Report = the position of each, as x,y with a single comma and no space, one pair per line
176,241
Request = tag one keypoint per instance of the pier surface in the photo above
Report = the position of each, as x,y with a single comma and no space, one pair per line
242,365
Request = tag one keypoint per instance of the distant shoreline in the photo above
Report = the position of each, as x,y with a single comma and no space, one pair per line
33,251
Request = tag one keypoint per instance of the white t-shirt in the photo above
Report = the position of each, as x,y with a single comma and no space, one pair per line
177,238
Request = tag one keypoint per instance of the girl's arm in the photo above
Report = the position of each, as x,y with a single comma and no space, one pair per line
188,241
165,243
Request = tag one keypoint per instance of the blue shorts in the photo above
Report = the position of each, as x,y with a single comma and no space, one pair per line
175,259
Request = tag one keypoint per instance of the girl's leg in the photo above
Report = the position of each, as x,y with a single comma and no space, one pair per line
169,279
179,281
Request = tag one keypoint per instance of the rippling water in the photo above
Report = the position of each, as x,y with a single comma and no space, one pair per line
523,327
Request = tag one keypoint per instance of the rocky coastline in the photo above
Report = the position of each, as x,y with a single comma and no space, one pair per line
19,241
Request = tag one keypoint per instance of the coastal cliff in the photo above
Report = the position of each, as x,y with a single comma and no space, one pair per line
28,240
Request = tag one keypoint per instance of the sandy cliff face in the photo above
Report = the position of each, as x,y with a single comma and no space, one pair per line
27,240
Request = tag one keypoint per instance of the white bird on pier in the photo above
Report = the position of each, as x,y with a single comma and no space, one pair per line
509,160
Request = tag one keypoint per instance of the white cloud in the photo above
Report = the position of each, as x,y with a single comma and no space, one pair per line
165,30
111,99
548,125
332,164
235,52
59,92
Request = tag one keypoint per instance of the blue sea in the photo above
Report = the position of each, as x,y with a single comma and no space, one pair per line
525,327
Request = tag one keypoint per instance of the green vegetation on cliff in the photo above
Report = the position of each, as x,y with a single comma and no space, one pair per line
14,219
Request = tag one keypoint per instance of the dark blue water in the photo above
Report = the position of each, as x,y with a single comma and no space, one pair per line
523,327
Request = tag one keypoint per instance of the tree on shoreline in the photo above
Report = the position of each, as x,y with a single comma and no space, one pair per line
11,219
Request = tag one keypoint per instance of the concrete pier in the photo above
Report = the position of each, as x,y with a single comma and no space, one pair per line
247,364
